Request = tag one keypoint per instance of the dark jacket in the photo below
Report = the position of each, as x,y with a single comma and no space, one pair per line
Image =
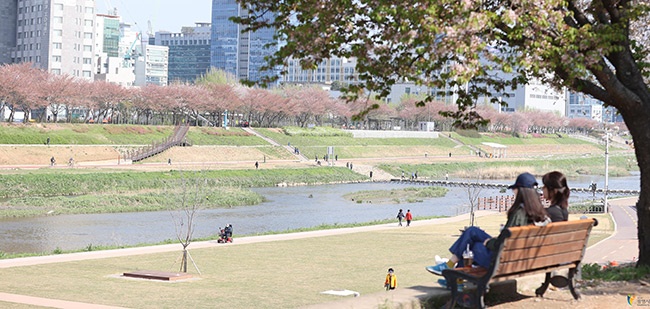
557,213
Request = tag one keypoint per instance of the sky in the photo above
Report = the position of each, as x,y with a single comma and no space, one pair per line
169,15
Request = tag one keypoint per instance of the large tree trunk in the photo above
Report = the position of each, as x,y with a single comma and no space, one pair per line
636,115
640,129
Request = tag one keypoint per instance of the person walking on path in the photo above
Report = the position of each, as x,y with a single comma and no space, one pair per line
409,217
257,165
400,216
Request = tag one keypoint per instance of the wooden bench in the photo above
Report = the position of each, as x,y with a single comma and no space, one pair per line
528,250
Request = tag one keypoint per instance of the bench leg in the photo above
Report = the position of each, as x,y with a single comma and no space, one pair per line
542,289
479,296
572,273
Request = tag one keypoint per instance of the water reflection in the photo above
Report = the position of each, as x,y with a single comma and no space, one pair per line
287,208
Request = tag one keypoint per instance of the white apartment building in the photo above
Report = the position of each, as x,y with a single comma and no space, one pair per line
117,49
152,66
56,35
331,70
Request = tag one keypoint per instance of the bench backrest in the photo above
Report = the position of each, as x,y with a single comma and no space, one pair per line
531,248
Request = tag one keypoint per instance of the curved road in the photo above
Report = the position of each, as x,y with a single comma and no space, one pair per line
623,245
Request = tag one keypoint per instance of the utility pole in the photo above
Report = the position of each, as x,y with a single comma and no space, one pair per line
606,168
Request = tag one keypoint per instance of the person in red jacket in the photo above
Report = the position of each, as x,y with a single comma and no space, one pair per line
409,217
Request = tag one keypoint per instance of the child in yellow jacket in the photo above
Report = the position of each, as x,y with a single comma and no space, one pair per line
391,280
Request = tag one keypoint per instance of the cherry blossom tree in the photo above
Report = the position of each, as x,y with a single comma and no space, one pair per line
60,92
597,47
19,87
103,98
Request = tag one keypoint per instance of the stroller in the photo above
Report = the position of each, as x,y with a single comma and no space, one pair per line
225,234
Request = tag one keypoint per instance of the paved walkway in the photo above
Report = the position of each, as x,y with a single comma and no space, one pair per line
623,245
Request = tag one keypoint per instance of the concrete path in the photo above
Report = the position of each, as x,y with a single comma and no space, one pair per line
623,245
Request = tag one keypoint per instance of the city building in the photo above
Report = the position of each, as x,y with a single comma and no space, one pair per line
8,18
189,51
236,52
151,67
115,46
329,71
55,35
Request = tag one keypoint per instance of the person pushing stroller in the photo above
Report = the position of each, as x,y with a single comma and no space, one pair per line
225,234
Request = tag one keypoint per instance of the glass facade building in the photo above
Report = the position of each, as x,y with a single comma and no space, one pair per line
241,54
111,37
8,17
189,52
225,36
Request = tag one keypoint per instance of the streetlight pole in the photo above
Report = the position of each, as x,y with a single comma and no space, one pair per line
606,168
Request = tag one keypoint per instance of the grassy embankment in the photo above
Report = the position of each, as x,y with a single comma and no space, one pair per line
35,194
502,169
313,143
95,134
64,191
405,195
106,142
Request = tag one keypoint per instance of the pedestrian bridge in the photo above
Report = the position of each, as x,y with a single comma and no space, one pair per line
467,184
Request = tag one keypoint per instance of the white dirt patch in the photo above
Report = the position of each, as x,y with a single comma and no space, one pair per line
41,154
211,154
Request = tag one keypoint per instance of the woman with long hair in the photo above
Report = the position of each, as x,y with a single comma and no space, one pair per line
527,209
557,192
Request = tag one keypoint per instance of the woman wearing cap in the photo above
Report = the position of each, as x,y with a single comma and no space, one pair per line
527,209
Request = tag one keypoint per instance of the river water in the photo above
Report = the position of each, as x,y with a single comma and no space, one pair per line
287,208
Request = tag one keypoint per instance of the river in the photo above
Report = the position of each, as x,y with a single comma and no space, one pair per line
286,208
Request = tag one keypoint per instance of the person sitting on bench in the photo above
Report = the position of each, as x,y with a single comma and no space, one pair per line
527,209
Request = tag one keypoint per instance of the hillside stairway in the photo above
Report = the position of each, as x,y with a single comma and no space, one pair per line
177,138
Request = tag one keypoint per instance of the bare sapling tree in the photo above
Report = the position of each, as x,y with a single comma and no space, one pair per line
190,193
473,193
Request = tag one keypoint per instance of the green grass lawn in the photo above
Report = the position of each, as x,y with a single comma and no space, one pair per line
221,136
329,140
619,165
98,134
281,274
505,139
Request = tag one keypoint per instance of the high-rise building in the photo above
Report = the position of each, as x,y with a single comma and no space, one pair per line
117,47
8,17
241,54
110,35
55,35
189,51
151,67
